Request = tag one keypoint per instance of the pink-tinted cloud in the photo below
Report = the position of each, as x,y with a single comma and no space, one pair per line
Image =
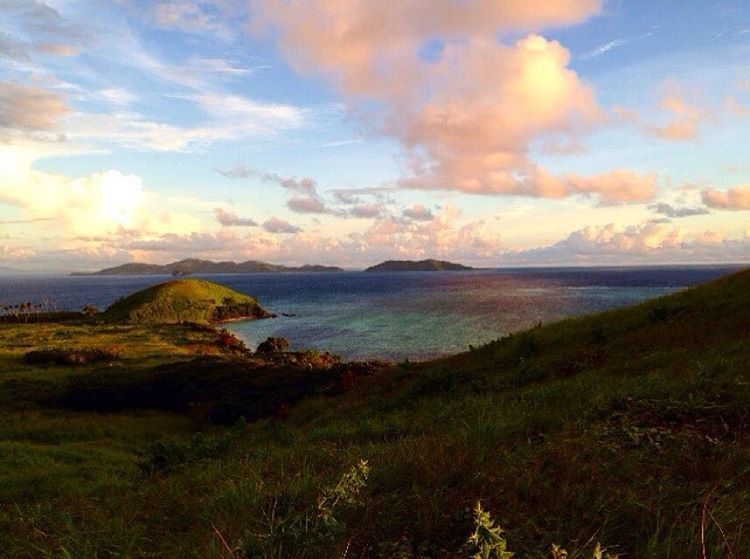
189,16
685,118
736,107
418,212
29,107
307,205
737,198
636,244
58,49
276,225
367,210
471,134
230,219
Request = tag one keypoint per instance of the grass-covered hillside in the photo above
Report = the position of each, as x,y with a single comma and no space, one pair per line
184,300
628,428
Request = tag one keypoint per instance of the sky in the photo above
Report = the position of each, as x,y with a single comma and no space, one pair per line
346,132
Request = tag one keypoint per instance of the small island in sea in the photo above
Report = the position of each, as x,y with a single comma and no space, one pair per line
197,266
185,300
429,265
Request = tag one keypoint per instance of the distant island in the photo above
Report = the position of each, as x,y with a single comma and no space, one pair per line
197,266
428,265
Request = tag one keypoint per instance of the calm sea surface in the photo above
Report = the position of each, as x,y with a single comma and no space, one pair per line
394,315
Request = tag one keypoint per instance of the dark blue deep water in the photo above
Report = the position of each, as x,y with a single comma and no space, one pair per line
395,315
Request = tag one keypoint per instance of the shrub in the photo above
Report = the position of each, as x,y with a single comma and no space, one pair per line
487,541
273,345
89,310
230,343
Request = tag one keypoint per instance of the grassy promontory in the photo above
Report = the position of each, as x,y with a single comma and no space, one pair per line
185,300
629,427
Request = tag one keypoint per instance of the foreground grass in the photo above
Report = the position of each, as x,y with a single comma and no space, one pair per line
629,428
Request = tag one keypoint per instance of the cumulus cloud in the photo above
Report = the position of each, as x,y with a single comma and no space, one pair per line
444,237
737,198
418,212
102,203
346,197
636,244
189,243
230,219
307,205
598,243
472,134
10,253
276,225
366,210
669,210
385,237
28,107
685,117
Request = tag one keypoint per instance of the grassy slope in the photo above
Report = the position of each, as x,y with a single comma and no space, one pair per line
184,300
620,427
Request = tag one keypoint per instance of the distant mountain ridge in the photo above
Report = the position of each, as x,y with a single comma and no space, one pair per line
429,265
197,266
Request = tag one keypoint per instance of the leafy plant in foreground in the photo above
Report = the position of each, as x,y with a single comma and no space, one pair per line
487,538
288,533
487,541
346,492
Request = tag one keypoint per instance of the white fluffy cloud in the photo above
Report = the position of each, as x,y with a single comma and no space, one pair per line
101,204
637,244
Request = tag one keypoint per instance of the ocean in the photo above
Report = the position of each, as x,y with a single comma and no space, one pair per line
399,315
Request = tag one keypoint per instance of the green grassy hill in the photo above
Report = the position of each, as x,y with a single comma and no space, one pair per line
630,428
184,300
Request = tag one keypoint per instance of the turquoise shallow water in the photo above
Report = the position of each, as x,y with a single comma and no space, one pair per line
395,315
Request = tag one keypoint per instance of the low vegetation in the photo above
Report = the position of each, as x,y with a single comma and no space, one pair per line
629,428
185,300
